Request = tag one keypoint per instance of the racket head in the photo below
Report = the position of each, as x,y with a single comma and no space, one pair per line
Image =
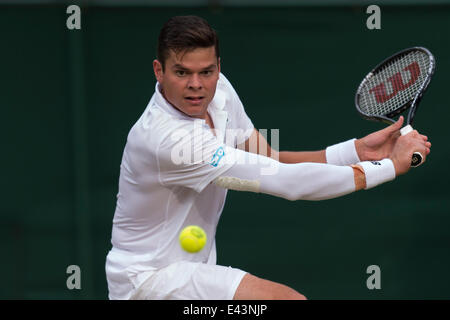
395,85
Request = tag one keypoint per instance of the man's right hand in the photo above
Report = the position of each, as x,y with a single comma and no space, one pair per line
404,149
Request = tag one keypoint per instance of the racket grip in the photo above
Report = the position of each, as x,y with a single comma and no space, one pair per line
417,157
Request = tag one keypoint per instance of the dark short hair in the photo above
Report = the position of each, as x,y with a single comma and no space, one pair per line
185,33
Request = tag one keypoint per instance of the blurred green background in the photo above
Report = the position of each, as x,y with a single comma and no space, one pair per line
69,99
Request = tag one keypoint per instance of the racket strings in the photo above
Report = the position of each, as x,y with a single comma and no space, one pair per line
395,84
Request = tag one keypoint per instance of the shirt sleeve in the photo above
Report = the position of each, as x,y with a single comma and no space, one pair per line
299,181
191,156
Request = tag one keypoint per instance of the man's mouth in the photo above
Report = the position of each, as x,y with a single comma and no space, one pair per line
195,99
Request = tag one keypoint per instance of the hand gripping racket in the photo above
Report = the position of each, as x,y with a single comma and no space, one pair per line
395,85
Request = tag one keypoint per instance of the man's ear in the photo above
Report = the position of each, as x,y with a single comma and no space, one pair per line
157,69
218,64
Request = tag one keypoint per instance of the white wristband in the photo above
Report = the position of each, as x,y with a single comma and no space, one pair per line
378,172
342,154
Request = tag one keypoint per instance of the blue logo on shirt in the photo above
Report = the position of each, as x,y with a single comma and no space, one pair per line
217,156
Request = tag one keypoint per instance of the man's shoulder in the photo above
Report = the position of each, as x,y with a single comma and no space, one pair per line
159,130
151,128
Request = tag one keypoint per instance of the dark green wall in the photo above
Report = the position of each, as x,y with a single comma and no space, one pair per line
71,96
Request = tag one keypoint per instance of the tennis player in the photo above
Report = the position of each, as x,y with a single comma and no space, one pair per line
193,143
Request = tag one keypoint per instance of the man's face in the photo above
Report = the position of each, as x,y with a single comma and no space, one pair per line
189,80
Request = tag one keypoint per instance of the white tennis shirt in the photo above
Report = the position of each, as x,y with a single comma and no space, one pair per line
160,193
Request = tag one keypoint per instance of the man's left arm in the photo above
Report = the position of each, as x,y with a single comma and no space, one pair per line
375,146
257,144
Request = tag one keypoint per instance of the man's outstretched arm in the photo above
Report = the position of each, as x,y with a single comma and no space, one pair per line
375,146
258,144
316,181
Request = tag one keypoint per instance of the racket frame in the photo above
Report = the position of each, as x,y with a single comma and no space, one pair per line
412,104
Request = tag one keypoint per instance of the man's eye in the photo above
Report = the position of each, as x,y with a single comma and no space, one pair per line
180,73
207,72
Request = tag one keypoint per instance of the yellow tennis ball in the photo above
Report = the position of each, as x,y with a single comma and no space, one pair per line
192,239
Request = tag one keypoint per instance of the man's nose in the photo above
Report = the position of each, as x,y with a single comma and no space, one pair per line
194,82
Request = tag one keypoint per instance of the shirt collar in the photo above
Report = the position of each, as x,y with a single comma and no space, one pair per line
166,106
217,112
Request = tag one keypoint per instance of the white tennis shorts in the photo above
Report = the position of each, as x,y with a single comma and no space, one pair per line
182,280
186,280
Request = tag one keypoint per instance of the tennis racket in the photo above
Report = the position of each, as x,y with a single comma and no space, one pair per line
395,85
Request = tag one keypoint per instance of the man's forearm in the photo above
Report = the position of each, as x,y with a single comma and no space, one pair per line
345,153
300,181
341,154
302,156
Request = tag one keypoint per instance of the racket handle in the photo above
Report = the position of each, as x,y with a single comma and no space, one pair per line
417,156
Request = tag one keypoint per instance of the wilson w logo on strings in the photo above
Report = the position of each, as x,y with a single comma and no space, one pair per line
396,81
